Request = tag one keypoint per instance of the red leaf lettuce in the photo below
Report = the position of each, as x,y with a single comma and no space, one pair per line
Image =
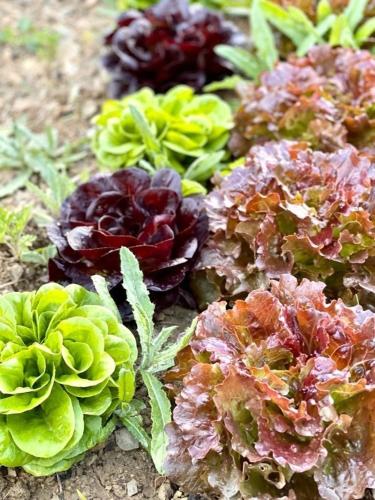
326,99
291,209
275,398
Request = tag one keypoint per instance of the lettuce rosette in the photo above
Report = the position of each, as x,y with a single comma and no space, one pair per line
172,35
325,98
274,398
66,363
174,129
291,210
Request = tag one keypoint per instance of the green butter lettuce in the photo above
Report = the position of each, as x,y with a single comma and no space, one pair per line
66,363
171,129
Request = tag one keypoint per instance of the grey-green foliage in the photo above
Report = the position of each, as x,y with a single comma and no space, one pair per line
24,153
156,355
14,236
41,41
39,256
12,230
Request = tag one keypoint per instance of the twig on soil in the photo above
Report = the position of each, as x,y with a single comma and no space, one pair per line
10,283
61,491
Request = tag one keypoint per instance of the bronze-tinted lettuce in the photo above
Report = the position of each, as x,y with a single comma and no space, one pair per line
326,99
168,44
291,209
129,208
275,398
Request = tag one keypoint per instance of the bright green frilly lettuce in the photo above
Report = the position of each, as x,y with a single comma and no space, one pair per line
178,129
66,363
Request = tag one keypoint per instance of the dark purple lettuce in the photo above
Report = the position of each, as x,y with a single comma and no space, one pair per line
326,99
291,209
168,44
275,398
129,208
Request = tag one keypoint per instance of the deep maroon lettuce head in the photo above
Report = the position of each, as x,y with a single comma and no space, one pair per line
129,208
275,398
326,99
168,44
292,209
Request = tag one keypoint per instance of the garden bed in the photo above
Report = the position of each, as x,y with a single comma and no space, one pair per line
65,92
247,234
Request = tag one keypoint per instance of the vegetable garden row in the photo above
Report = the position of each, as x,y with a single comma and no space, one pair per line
235,176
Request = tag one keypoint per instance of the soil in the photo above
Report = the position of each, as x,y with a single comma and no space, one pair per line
66,91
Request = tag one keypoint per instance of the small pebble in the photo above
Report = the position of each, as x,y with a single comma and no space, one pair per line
125,441
12,473
15,271
165,491
132,487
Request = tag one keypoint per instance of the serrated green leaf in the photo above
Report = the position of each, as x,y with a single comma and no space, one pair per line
164,359
162,337
133,423
301,19
138,298
161,416
279,17
341,33
322,29
18,182
24,153
12,230
59,184
40,256
204,167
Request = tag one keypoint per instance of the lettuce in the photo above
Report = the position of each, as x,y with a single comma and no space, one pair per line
171,35
275,398
147,214
326,99
169,130
64,359
291,209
